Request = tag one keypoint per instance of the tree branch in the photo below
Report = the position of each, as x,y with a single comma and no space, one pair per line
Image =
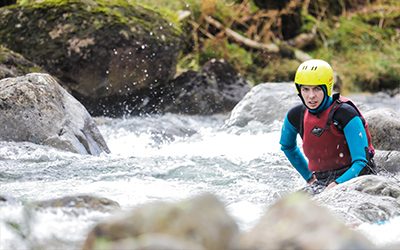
271,47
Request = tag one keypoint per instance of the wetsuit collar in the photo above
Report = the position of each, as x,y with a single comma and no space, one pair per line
326,103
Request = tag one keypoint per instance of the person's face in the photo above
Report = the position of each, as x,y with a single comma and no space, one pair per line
312,95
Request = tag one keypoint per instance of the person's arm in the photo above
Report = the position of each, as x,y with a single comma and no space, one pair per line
357,141
289,146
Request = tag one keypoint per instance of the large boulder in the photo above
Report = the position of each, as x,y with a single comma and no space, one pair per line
297,222
264,103
217,88
384,124
110,55
201,222
368,198
37,109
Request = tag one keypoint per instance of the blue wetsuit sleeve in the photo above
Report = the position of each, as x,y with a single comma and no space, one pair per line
289,146
357,141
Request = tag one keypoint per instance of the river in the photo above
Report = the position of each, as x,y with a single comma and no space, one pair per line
159,157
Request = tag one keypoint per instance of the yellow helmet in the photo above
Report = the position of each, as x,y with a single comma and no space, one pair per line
315,72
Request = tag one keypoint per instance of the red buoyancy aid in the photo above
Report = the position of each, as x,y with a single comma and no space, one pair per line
324,144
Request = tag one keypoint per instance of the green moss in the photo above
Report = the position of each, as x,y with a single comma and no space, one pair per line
188,62
120,11
359,38
278,70
364,54
235,55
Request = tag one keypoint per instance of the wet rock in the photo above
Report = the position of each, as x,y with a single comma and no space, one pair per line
13,64
264,103
201,221
369,198
80,201
109,55
297,222
217,88
35,108
384,125
387,161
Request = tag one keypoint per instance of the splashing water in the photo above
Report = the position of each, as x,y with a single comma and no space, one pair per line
168,157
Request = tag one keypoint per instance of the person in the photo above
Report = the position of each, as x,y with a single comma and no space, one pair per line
335,135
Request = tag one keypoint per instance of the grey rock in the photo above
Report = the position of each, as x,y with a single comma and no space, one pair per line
89,202
384,125
264,103
201,220
369,198
387,162
297,222
35,108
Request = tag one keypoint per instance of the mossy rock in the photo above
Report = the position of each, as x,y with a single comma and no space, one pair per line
97,48
13,64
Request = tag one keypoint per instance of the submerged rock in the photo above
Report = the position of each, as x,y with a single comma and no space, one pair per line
297,222
89,202
35,108
201,221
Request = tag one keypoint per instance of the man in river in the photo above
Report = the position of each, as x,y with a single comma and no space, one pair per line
336,140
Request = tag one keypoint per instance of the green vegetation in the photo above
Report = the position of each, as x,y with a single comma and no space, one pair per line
360,38
363,51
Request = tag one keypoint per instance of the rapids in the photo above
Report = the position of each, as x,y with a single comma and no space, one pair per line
158,157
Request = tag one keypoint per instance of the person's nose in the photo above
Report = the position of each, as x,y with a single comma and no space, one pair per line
312,93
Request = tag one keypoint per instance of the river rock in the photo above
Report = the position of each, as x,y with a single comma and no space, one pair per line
297,222
35,108
384,125
13,64
387,161
264,103
201,220
368,198
217,88
89,202
109,55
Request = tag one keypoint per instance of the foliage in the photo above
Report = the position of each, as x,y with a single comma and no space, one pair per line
360,38
362,49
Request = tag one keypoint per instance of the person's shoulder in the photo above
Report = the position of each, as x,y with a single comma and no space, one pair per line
296,110
347,109
345,113
295,115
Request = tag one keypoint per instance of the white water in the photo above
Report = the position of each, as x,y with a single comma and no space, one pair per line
166,157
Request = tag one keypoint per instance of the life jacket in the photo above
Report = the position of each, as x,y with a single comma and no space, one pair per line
324,143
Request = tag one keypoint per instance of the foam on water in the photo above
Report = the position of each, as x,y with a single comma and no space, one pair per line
153,158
